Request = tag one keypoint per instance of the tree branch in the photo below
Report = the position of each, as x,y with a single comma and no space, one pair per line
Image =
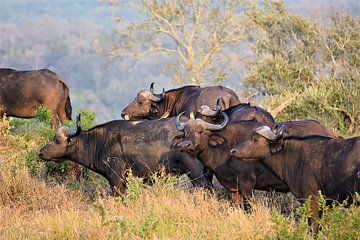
284,105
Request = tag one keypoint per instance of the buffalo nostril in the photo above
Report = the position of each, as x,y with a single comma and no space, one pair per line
232,151
41,155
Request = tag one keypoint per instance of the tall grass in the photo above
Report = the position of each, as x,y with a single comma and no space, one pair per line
42,206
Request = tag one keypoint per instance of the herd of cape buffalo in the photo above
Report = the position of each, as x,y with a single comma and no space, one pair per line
198,131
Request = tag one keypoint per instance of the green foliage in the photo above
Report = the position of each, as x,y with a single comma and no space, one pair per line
287,229
43,115
149,226
282,226
284,45
32,161
134,187
87,120
311,67
338,222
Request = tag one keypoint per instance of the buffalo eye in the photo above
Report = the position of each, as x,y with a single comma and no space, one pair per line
141,103
69,141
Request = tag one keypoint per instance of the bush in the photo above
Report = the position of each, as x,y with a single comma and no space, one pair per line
311,67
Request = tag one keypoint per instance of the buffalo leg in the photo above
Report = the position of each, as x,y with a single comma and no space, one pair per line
235,197
61,114
246,195
314,205
54,120
209,175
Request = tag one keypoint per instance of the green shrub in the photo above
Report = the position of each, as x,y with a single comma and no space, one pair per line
338,222
149,226
134,187
87,120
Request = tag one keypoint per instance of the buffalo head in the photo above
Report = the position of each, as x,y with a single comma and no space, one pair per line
262,143
198,134
58,149
144,106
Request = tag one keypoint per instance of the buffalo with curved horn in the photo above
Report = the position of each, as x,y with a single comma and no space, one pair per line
212,148
321,158
112,148
148,105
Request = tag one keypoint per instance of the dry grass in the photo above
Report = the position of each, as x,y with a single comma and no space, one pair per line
38,207
32,209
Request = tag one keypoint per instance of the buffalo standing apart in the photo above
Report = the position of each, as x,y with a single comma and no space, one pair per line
22,92
148,105
307,164
112,148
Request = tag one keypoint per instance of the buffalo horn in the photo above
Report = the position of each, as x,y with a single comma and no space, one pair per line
179,125
279,129
206,111
266,132
218,105
214,127
75,132
152,87
149,95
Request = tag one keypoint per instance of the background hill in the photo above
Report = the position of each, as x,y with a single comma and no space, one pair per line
65,37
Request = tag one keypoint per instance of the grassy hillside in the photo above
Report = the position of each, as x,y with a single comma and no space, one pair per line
44,201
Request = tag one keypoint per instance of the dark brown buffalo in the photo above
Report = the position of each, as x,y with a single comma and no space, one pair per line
241,111
307,164
22,92
211,144
148,105
112,148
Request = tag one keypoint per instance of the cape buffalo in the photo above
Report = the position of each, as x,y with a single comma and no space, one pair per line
22,92
307,164
242,111
148,105
112,148
211,144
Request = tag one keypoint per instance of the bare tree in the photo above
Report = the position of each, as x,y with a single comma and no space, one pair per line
194,31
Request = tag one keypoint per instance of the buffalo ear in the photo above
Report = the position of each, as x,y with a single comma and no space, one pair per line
276,147
216,139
